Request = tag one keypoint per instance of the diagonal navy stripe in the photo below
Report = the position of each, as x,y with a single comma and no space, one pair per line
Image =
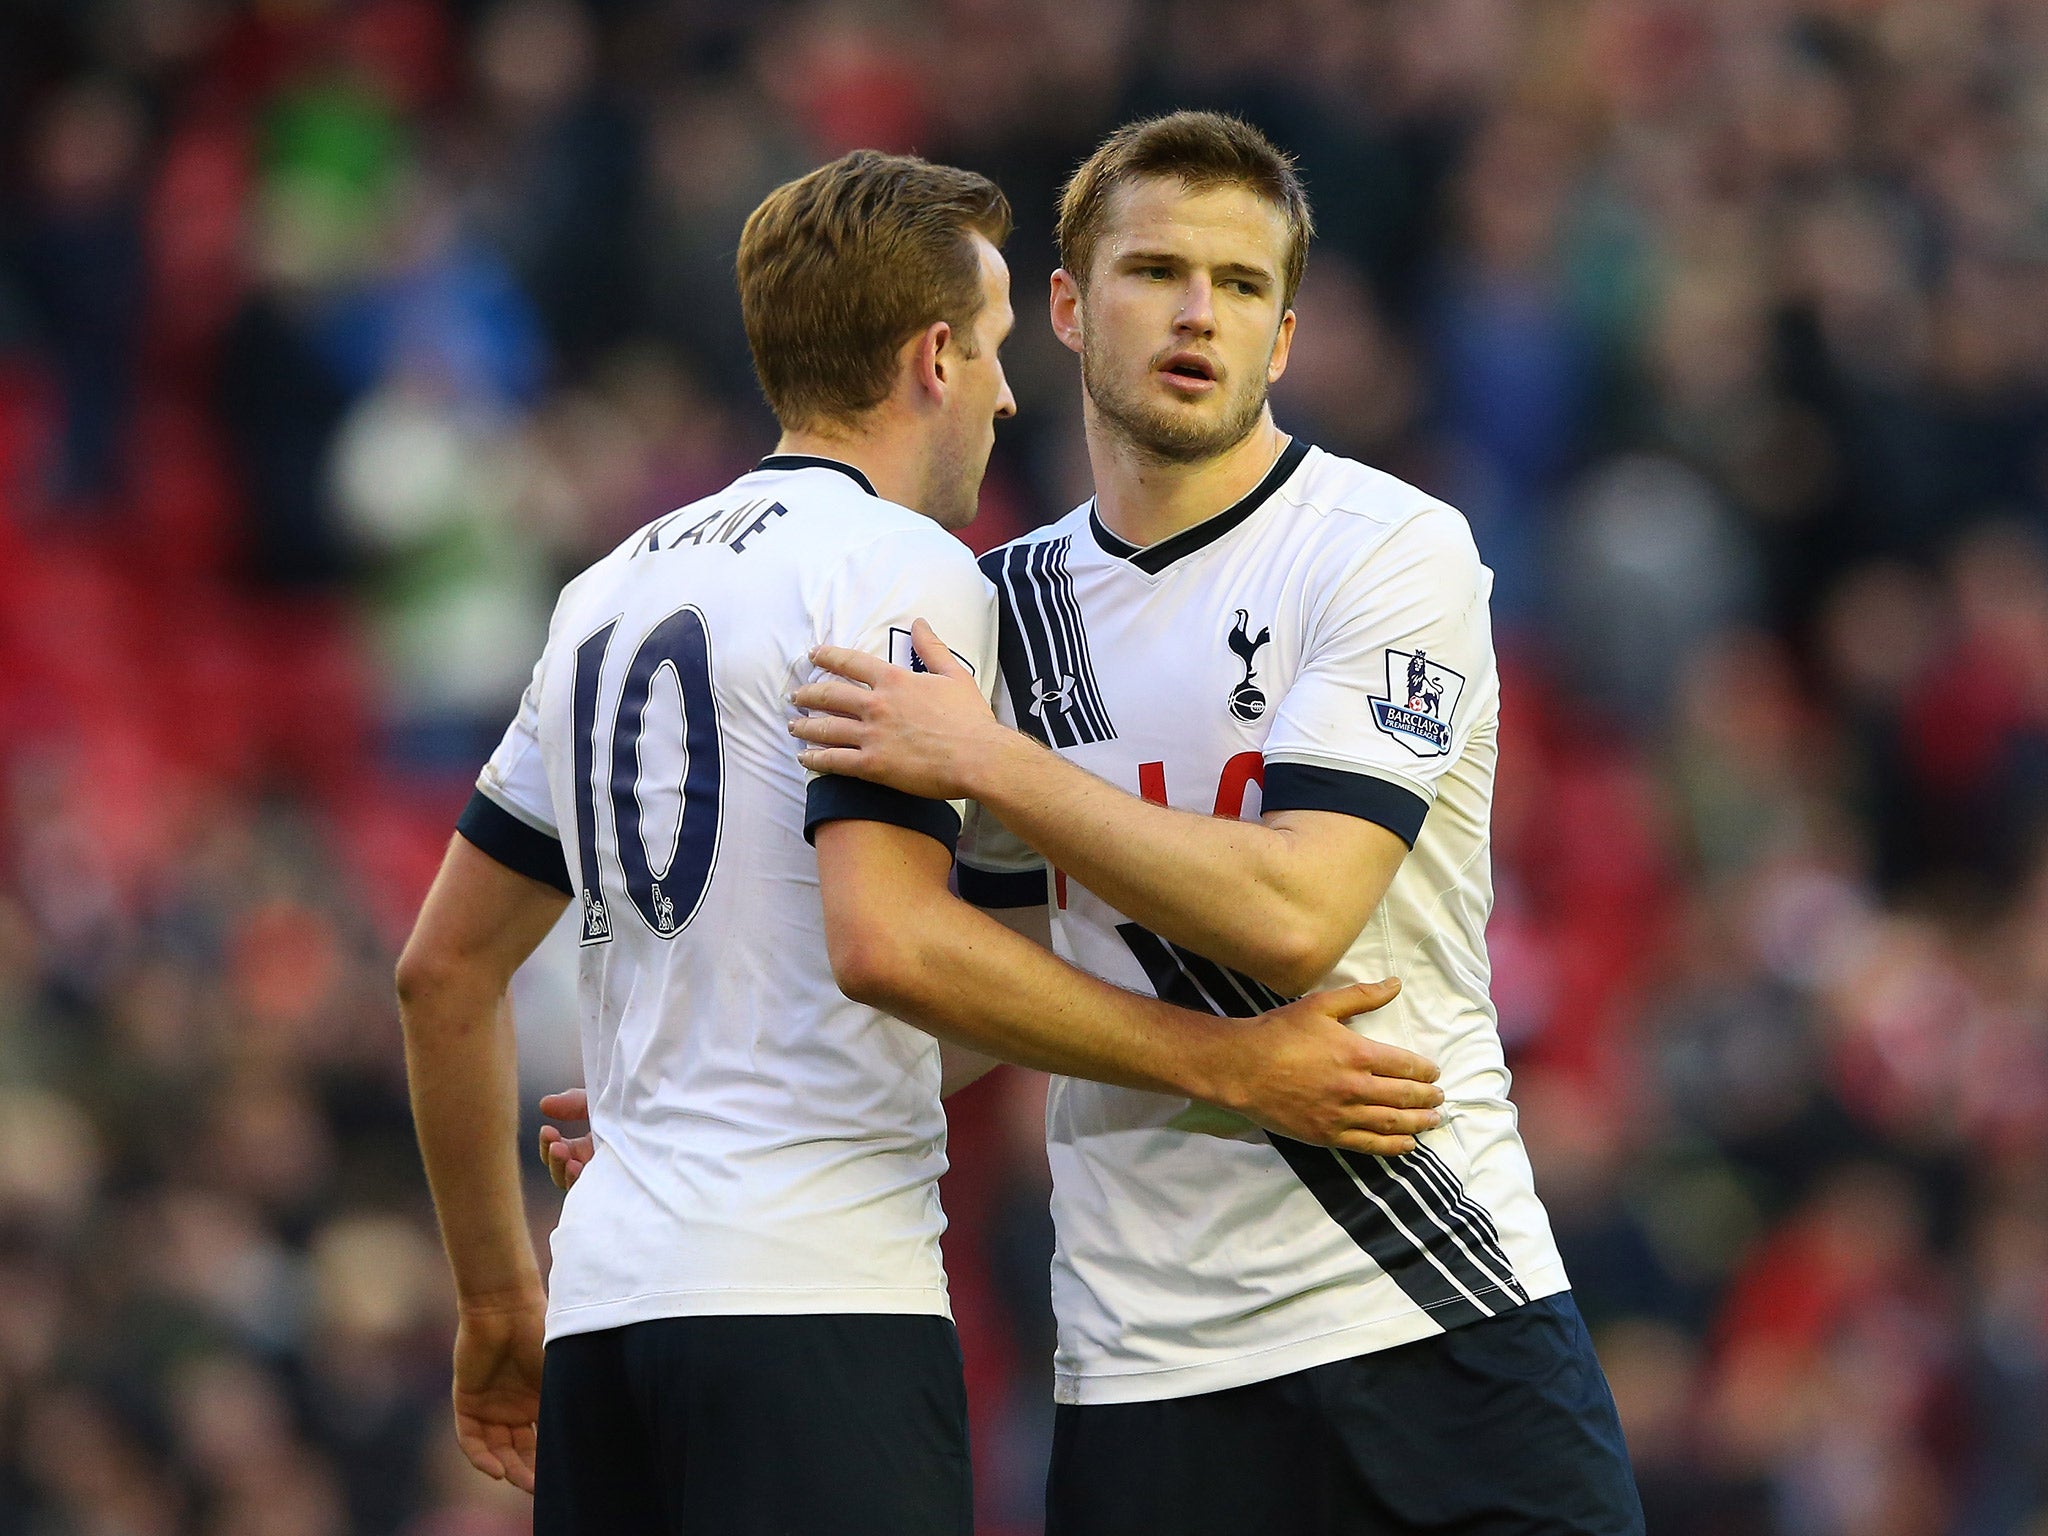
1462,1200
1446,1192
1373,1227
1490,1266
1467,1214
1476,1210
1238,992
1378,1211
1380,1179
1170,981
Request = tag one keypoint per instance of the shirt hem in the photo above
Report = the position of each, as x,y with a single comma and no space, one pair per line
1404,1327
590,1317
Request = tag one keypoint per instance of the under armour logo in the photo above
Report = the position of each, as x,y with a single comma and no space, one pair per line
1060,697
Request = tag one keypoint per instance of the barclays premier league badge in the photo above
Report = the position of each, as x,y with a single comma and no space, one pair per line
903,652
1421,695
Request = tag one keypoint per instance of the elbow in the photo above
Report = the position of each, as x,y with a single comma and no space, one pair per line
422,975
873,965
1298,958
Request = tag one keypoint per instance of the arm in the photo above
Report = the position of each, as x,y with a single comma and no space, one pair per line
962,1066
1280,899
902,943
480,921
565,1156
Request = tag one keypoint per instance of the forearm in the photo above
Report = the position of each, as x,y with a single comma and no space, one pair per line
462,1068
958,974
1228,889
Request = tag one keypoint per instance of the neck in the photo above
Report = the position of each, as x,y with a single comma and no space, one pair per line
1142,500
893,467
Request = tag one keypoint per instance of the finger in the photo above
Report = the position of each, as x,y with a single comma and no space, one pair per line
1374,1145
858,665
1383,1120
1392,1092
833,760
1359,997
582,1149
569,1104
827,730
834,697
1386,1060
937,656
479,1453
519,1459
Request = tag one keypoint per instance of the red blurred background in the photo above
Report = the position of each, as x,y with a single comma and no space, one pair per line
335,334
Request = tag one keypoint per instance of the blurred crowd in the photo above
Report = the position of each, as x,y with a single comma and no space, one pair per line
335,333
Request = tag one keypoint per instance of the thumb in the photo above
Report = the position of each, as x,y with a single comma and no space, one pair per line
1359,997
569,1104
937,656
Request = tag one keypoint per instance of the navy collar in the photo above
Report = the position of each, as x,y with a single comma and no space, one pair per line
1154,558
812,461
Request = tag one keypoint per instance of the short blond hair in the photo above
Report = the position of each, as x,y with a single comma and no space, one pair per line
839,268
1200,150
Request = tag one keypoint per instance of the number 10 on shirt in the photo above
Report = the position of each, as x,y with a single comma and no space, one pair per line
667,897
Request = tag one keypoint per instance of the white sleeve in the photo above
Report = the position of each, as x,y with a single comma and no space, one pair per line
1398,670
873,598
515,777
510,816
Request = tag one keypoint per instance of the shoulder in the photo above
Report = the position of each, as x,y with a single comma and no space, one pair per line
882,547
1376,520
998,559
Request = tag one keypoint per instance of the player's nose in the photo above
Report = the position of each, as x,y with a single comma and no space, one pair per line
1197,315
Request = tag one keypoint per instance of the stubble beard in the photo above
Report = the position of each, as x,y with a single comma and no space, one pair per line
1158,433
953,497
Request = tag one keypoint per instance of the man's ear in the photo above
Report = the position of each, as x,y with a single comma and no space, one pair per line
1283,347
931,355
1066,309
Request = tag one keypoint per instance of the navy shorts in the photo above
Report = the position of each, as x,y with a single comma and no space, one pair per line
818,1425
1500,1428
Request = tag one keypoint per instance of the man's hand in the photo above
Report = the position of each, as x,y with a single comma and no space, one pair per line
565,1156
1302,1073
925,733
497,1385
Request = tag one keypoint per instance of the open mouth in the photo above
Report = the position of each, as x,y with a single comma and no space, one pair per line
1189,370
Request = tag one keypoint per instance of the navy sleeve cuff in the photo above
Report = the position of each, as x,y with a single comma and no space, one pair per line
1000,887
837,798
1299,787
520,848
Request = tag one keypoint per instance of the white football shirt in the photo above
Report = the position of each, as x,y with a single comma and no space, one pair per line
1322,645
764,1145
